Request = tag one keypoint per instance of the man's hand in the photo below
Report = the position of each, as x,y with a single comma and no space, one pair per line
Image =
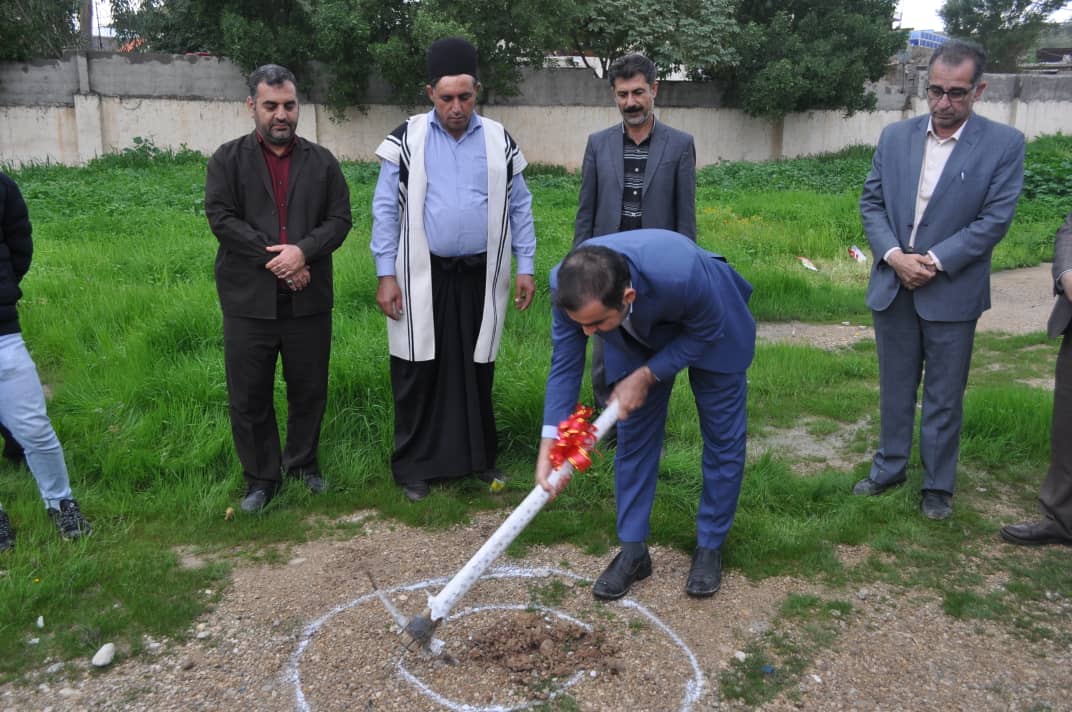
913,270
632,391
389,297
543,469
300,280
524,287
288,261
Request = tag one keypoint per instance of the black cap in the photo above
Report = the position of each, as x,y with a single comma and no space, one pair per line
450,56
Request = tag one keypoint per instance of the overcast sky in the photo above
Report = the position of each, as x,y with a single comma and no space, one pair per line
923,14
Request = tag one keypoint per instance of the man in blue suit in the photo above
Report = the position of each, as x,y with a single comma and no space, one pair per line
941,194
661,304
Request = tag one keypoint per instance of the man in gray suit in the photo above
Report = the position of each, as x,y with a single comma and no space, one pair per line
636,174
1055,498
941,194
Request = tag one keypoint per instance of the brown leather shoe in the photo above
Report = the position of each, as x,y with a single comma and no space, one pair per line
1037,533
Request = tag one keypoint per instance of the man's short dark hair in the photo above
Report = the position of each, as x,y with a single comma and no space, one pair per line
592,273
271,74
955,51
629,66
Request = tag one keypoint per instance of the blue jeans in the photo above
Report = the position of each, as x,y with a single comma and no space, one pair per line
22,411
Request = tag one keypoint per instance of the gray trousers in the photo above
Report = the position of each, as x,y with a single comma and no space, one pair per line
911,349
1055,497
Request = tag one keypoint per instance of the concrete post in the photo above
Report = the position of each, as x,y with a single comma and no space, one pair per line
87,114
87,119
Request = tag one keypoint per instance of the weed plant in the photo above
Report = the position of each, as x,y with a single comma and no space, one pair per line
122,317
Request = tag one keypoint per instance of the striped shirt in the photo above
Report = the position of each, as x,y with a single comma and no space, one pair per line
636,161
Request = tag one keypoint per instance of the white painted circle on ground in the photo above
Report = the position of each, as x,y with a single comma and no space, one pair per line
690,695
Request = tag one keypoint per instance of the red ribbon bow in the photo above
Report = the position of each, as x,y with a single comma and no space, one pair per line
576,438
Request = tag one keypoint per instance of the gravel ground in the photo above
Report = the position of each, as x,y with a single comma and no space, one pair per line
312,633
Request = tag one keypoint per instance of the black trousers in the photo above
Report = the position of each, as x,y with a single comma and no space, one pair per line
444,419
251,348
12,449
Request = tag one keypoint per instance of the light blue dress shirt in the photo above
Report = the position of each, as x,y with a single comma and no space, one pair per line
456,204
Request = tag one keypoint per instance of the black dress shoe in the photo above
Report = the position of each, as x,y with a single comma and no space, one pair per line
416,491
705,575
620,575
868,487
312,479
256,500
1043,531
936,505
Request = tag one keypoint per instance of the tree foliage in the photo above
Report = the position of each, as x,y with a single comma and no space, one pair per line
798,55
349,40
775,56
37,28
689,36
1007,28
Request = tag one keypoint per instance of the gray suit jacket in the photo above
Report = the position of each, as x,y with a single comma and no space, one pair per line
969,213
1062,261
669,199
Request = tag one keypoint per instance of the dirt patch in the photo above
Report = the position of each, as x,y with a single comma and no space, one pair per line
311,634
1021,300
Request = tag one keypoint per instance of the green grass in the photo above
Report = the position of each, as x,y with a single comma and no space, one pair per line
122,318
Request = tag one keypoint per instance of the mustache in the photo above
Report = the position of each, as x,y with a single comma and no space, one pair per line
634,110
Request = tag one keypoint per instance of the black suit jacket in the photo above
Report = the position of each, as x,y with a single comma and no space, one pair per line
240,207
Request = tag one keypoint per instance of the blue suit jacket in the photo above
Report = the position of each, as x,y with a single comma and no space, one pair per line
691,310
970,211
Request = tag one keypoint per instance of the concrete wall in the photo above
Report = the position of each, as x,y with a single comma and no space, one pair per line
88,104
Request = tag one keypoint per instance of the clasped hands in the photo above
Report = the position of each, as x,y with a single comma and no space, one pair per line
289,265
913,270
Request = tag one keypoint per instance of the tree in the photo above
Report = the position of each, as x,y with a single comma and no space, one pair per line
691,36
37,28
1007,28
798,55
347,40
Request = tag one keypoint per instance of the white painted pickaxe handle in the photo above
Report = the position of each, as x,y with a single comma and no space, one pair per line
442,603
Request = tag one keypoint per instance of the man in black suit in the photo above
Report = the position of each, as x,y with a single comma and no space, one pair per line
1055,498
279,206
637,174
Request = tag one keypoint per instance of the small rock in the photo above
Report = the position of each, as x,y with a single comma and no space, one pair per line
34,641
54,668
69,692
297,561
188,664
862,594
547,648
759,627
40,621
104,656
202,634
818,680
741,655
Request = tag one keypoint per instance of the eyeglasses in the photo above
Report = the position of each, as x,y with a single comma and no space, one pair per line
955,94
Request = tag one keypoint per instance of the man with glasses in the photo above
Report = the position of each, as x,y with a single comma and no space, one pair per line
941,194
